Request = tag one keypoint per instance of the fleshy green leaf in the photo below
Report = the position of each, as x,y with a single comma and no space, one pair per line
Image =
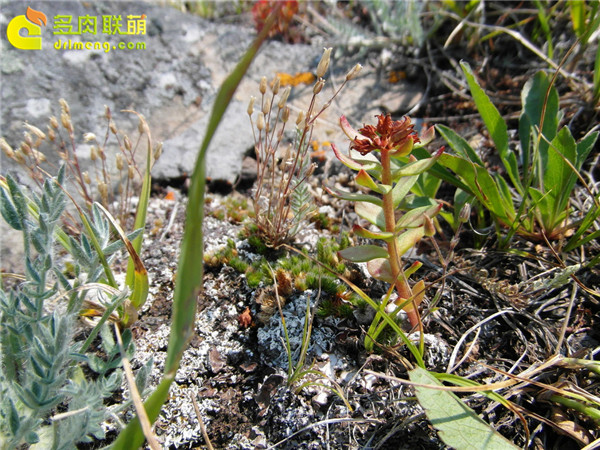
352,197
368,234
363,253
408,239
380,269
414,217
457,424
372,213
364,179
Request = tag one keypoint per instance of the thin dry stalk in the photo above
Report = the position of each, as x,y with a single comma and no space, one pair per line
136,398
282,173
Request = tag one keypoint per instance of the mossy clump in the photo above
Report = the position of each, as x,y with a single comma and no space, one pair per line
233,208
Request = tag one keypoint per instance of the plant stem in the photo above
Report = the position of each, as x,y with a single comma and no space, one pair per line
402,287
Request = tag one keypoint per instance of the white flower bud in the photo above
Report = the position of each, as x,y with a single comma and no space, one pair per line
353,72
324,63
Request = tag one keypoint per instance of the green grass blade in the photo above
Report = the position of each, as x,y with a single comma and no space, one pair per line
132,277
190,270
596,95
457,424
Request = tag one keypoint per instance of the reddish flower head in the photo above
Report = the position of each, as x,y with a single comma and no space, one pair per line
394,136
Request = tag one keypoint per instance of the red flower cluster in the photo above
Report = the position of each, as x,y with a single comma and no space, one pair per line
395,136
287,9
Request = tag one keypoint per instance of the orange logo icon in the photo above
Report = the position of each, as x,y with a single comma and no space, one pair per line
31,22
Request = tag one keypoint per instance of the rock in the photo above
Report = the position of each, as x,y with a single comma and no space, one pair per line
173,82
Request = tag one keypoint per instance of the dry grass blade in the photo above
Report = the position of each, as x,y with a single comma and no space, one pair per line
136,398
201,422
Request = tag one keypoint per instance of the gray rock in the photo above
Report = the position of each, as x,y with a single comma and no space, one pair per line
173,82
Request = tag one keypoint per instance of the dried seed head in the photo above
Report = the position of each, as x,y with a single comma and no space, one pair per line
300,118
318,86
266,108
7,149
93,153
251,105
103,190
112,126
324,63
86,178
101,154
130,172
89,137
275,85
51,134
64,106
284,282
284,96
260,121
54,122
263,85
39,156
35,130
119,161
25,148
107,112
19,156
141,127
65,119
353,72
465,213
285,115
127,143
158,150
28,139
63,155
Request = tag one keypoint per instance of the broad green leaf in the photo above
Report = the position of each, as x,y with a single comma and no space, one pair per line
495,125
402,188
414,217
457,424
372,213
408,239
414,168
363,253
533,99
482,185
427,185
459,144
490,115
584,146
439,171
559,178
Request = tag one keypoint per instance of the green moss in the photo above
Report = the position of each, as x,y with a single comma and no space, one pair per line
253,277
238,264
